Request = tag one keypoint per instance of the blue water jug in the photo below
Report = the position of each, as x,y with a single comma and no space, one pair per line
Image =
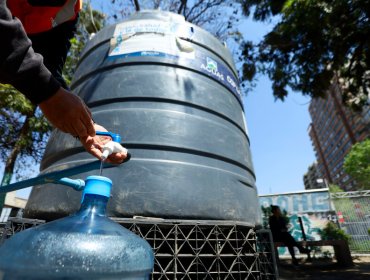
85,245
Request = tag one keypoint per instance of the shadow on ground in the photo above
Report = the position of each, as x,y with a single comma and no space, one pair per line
322,269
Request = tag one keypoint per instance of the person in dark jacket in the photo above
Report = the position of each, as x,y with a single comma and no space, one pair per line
279,229
25,69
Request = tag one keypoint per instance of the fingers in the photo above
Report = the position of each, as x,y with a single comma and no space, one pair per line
88,123
84,126
94,146
117,158
68,113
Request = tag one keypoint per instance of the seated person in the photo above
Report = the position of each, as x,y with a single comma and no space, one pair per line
279,230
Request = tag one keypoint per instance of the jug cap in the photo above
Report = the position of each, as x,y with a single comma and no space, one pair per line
98,185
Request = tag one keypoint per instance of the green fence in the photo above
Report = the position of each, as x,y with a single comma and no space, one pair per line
353,213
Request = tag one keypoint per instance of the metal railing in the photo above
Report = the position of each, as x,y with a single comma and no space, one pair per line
353,212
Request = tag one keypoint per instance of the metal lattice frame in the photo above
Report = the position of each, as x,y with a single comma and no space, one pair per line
353,209
350,194
202,249
14,225
198,249
267,254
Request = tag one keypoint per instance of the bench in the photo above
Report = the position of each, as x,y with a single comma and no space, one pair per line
341,249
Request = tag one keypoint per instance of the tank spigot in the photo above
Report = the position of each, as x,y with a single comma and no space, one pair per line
112,147
76,184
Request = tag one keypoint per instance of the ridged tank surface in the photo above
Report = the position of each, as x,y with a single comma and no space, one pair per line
170,89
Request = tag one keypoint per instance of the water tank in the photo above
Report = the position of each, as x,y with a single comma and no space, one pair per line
170,89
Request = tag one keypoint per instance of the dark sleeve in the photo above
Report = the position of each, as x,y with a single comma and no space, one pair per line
274,225
20,66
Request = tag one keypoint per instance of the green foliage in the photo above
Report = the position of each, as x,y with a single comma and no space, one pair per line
357,163
335,189
23,129
90,22
266,213
311,43
15,111
13,99
360,246
332,232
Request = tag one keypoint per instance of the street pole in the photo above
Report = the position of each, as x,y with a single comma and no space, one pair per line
330,201
5,181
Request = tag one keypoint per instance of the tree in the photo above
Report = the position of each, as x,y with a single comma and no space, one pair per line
23,129
266,213
335,189
312,42
357,163
23,133
208,14
332,232
90,22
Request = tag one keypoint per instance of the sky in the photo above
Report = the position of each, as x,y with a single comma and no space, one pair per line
280,146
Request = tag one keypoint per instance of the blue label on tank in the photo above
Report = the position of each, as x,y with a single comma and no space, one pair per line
219,71
146,53
207,65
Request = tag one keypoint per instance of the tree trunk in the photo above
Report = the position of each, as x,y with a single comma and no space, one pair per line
182,7
137,5
11,160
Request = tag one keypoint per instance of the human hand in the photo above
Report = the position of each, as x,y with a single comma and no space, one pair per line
68,113
94,145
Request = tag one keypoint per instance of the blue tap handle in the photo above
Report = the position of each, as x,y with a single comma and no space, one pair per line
115,136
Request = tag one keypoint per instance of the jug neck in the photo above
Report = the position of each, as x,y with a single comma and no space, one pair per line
97,204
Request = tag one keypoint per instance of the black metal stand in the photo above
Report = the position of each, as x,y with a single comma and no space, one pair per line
196,249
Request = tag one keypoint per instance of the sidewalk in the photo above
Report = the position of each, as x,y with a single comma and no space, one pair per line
322,269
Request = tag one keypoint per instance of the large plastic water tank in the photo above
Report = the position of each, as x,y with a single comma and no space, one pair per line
170,89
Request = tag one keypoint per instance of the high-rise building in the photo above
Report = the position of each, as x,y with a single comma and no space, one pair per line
313,179
333,131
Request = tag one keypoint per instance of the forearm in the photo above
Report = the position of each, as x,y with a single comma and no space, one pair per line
20,66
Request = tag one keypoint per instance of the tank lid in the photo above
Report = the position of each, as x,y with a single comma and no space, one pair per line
98,185
157,14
